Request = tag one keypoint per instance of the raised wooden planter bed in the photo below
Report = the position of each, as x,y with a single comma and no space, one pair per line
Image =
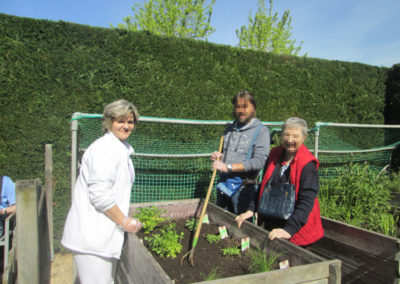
138,266
367,257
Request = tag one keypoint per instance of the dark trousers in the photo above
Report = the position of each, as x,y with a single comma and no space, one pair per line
241,201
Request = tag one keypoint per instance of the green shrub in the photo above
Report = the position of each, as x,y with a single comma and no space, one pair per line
356,197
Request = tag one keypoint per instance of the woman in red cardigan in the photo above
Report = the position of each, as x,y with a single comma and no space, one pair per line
297,165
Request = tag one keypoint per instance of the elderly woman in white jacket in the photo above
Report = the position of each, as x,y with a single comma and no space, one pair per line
95,226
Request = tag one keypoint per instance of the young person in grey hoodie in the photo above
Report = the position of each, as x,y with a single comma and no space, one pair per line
245,130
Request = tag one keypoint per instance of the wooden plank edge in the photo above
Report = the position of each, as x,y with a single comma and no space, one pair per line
298,274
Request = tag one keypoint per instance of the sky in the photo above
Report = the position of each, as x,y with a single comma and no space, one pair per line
365,31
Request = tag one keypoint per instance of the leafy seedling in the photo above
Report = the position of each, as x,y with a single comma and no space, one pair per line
167,243
213,238
191,224
231,251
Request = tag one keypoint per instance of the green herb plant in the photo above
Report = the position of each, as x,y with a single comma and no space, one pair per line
213,238
150,218
167,243
261,262
191,224
231,251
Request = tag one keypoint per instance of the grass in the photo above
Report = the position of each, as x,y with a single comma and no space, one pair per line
261,262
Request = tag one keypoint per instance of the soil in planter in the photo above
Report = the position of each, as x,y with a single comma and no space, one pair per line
206,256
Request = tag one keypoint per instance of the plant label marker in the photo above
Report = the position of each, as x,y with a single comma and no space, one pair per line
284,264
245,243
223,232
206,220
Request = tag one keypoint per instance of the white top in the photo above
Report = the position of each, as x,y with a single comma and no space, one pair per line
106,177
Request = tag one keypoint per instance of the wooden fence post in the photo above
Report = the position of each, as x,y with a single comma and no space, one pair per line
27,231
33,244
49,193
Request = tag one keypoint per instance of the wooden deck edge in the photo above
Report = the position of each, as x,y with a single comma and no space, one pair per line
137,265
320,271
368,241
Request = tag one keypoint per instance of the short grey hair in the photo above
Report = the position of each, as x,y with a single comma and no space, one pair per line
117,109
297,122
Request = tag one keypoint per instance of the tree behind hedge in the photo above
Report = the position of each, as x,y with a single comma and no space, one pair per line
181,18
265,32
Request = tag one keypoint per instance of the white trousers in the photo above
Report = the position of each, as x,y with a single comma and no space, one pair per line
92,269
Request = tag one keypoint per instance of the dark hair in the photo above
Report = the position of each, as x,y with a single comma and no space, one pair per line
244,94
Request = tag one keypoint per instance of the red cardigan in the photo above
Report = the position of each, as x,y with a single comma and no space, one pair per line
312,230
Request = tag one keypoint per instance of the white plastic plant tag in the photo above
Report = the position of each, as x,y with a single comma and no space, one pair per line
205,219
284,264
245,243
223,233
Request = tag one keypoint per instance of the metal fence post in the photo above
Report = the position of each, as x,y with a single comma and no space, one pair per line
74,150
316,143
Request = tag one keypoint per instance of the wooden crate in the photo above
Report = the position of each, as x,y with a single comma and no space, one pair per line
138,266
367,257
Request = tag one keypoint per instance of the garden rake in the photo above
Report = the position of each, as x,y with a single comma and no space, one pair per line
203,211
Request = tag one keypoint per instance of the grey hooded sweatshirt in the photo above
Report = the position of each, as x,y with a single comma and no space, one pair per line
236,146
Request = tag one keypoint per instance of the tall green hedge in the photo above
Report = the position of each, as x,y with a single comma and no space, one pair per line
392,105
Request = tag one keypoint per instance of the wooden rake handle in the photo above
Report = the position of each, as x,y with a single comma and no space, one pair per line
203,211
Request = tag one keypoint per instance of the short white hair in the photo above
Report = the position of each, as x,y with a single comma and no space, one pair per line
296,122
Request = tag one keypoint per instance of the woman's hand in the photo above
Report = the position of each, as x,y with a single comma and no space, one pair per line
279,234
242,217
123,222
131,225
216,156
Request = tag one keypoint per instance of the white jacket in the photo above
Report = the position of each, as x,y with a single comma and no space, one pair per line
106,177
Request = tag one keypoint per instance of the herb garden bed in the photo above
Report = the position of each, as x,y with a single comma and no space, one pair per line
208,258
138,265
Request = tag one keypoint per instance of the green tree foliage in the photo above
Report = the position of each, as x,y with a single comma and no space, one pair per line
181,18
267,33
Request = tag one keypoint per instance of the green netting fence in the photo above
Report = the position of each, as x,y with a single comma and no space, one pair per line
172,156
341,143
